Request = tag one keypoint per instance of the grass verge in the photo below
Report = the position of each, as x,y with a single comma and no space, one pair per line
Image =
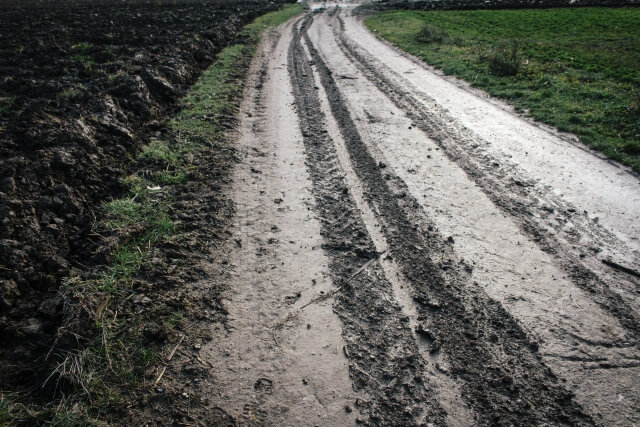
108,356
575,69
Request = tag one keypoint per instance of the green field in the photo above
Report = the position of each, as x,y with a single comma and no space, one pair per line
575,69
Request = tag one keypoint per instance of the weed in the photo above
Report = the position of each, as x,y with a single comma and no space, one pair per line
430,34
70,94
80,54
632,148
6,104
159,151
86,61
503,58
170,178
135,184
67,412
122,213
147,356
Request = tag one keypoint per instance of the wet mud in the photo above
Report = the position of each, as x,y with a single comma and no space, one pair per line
464,293
457,318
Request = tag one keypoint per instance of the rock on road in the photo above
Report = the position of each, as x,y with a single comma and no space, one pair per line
408,251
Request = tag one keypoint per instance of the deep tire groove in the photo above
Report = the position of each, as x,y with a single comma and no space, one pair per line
499,369
497,190
383,357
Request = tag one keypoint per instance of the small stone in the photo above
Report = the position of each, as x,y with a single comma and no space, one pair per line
348,409
197,346
145,300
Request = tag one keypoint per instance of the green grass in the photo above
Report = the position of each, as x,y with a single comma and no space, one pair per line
214,97
14,413
575,69
115,359
82,47
121,213
70,93
159,151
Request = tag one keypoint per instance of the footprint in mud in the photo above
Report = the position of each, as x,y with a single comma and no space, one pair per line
253,415
263,385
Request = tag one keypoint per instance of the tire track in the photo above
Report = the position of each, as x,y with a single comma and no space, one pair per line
498,368
383,357
272,261
446,389
510,190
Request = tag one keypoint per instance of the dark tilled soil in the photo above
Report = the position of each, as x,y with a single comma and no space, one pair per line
82,88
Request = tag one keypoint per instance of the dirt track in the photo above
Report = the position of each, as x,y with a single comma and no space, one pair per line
407,251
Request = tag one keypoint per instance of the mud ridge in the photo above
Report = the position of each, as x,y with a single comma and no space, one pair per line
533,207
499,368
383,357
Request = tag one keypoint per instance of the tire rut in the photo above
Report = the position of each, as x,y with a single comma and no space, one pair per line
498,367
509,189
383,357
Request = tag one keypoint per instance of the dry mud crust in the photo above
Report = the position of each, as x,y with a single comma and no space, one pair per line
82,88
498,368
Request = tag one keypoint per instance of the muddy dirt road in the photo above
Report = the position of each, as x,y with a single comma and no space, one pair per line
409,252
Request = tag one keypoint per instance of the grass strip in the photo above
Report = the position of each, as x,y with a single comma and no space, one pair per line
99,376
577,69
